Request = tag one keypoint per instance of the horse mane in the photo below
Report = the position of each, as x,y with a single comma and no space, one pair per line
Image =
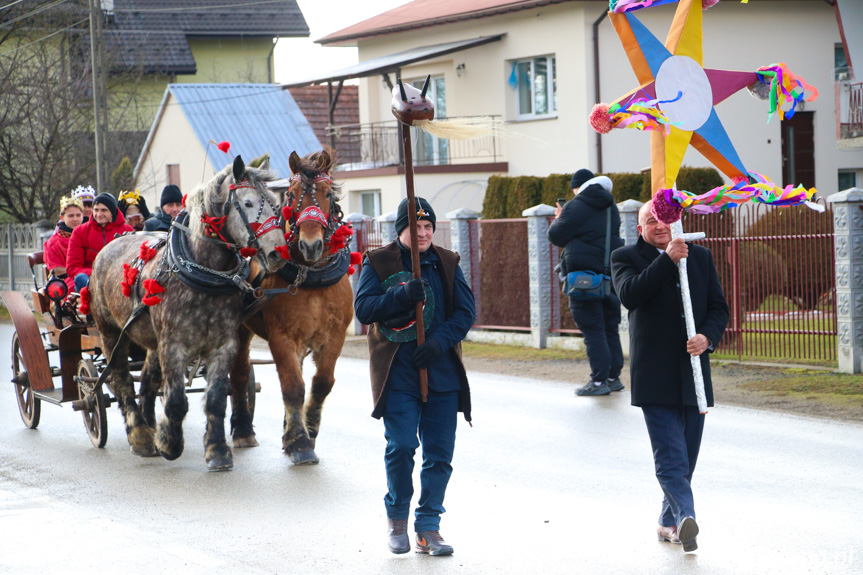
210,198
311,168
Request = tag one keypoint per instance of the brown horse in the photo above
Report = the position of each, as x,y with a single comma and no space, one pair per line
310,315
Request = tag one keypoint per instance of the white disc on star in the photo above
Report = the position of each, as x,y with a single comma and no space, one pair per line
683,74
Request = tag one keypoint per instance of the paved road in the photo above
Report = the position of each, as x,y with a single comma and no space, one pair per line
544,483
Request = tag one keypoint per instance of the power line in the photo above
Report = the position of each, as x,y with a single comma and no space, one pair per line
33,13
43,37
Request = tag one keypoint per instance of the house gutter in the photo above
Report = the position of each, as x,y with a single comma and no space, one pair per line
596,97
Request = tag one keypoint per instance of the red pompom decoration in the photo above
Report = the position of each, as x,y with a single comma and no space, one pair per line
705,4
599,118
351,270
84,303
147,253
152,287
356,257
248,252
739,180
151,300
285,252
287,213
184,199
664,209
130,274
224,146
339,238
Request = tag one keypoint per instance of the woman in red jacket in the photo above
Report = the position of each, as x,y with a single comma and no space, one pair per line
71,216
105,224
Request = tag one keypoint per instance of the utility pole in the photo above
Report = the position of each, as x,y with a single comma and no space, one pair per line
99,89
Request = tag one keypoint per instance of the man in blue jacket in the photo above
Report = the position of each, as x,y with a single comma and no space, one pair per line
580,228
386,300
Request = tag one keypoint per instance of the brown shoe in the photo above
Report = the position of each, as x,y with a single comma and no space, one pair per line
397,536
667,534
686,532
432,543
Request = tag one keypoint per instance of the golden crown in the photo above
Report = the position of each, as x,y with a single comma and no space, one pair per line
65,202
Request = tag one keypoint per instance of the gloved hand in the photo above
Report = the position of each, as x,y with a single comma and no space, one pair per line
415,290
427,353
401,319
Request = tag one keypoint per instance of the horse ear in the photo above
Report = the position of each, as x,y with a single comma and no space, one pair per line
239,168
324,161
295,163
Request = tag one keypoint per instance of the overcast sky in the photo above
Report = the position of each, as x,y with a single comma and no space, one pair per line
297,59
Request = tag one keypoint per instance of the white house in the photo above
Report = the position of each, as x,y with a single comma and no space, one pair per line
541,65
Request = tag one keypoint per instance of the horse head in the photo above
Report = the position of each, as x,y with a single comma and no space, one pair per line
237,208
410,104
312,206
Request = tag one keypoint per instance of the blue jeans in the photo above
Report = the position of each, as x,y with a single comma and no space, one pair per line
675,435
408,422
81,281
598,321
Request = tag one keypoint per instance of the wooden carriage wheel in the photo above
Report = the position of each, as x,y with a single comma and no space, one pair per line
95,419
29,406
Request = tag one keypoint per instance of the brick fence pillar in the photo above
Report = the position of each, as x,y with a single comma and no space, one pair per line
848,242
388,227
539,264
628,220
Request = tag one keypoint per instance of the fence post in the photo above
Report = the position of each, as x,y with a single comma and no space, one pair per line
11,257
629,220
388,227
459,230
848,243
356,220
539,265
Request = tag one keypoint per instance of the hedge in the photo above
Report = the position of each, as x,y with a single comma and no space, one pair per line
494,204
525,192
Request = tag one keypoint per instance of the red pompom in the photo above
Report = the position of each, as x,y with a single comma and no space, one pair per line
664,209
147,253
248,252
339,238
285,252
739,180
130,274
184,199
151,300
705,4
152,286
84,304
356,257
287,213
351,270
600,119
224,146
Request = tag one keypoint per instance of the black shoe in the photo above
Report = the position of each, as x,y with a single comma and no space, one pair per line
686,532
614,384
397,536
593,389
432,543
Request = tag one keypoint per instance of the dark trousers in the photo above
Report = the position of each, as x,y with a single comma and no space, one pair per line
408,422
598,322
675,435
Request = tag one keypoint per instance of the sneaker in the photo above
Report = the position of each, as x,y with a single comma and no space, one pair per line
593,389
397,535
432,543
614,384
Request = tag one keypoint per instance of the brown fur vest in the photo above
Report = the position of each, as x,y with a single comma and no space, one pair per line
387,261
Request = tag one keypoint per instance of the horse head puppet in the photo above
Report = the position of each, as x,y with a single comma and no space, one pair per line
314,218
410,104
236,209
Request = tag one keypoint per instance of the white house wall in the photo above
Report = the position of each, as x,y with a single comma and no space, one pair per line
736,36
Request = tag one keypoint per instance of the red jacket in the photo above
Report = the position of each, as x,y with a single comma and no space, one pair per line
87,241
54,253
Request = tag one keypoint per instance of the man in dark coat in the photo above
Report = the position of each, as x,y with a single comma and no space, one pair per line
394,361
647,278
170,204
580,228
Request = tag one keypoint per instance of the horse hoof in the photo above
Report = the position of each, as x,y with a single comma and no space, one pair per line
304,457
220,464
248,441
144,450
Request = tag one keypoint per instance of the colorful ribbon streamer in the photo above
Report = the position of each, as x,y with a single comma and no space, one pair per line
786,89
761,190
638,112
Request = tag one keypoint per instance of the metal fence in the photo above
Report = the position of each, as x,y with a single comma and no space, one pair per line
16,241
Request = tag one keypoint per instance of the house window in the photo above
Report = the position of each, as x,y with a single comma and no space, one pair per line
840,63
432,151
536,82
370,203
173,174
847,179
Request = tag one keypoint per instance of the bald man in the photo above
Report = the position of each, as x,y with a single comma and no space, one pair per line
647,280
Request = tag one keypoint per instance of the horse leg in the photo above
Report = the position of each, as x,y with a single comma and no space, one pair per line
295,440
151,382
242,431
322,383
216,450
169,432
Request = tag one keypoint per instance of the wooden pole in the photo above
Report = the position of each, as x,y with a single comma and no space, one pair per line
415,253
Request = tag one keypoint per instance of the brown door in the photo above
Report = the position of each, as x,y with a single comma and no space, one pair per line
798,150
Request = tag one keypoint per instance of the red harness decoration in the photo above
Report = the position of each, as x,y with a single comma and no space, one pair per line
84,305
340,238
285,250
214,226
130,274
152,287
356,258
315,214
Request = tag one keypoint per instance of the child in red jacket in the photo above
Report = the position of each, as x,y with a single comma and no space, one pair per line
54,250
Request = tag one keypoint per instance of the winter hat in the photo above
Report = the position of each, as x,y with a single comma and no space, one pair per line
171,194
424,212
109,202
580,177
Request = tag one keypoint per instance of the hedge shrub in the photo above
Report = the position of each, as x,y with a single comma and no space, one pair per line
494,204
556,186
526,191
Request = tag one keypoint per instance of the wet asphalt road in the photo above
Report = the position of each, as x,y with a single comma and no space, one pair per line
544,483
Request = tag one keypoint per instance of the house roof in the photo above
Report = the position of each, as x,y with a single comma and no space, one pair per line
314,103
393,62
424,13
254,118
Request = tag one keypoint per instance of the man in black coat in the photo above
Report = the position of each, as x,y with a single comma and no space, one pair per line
580,228
170,204
646,277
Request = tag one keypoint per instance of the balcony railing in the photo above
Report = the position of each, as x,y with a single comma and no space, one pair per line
850,110
378,145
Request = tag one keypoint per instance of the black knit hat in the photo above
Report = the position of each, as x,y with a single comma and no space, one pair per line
109,202
424,212
171,194
579,177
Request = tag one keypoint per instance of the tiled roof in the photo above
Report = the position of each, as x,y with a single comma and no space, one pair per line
254,118
424,13
313,102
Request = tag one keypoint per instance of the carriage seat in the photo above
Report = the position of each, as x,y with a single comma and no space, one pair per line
40,301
